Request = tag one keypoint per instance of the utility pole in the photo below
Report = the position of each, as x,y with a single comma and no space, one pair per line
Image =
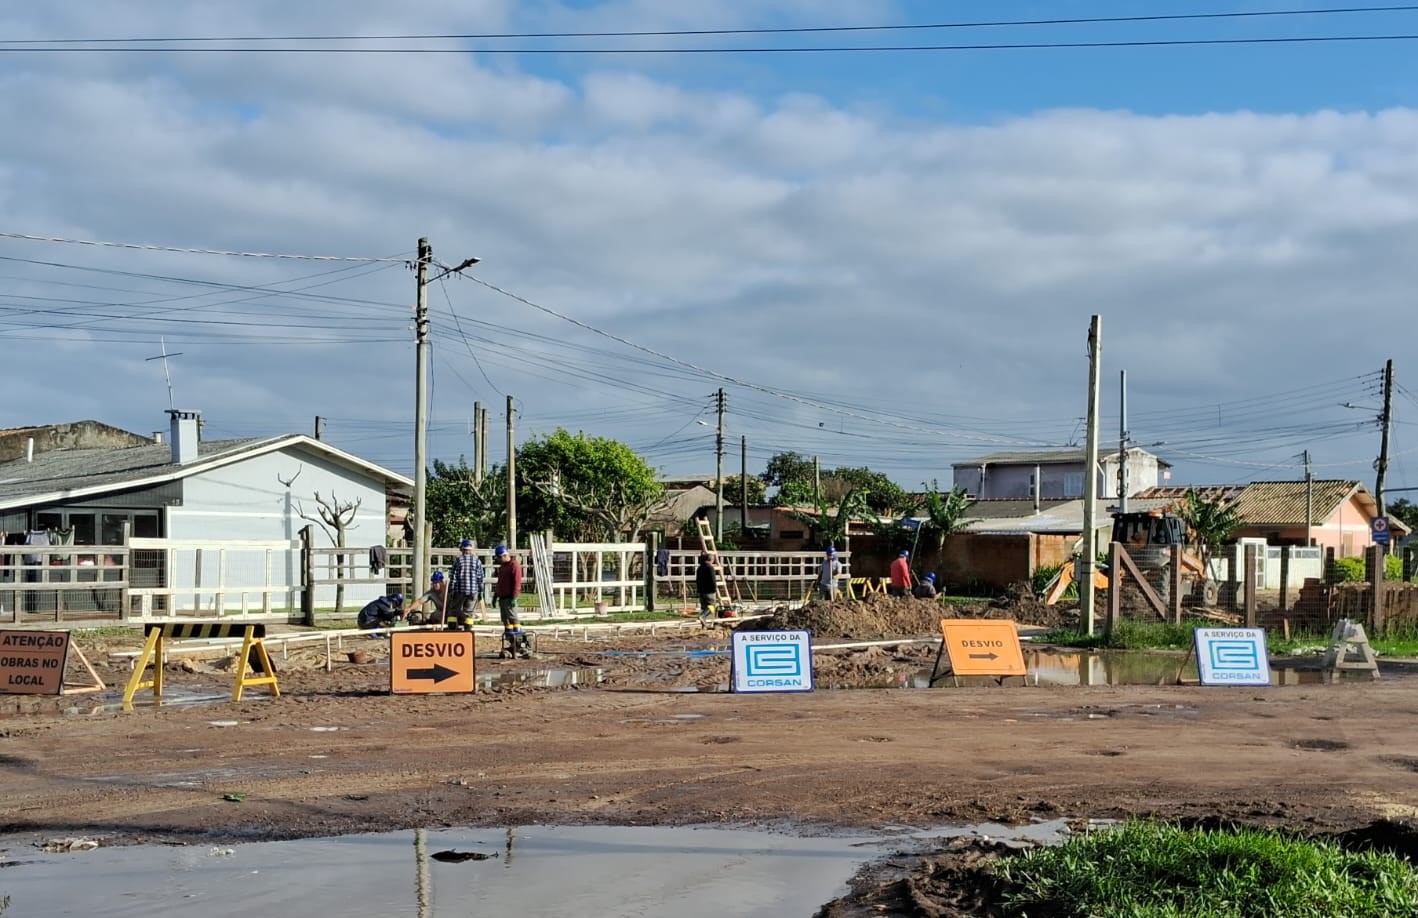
482,444
1123,442
1084,567
319,426
425,256
1309,501
511,476
719,471
743,486
477,442
1386,422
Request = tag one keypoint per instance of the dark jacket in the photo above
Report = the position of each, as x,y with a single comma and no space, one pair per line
381,613
706,579
509,579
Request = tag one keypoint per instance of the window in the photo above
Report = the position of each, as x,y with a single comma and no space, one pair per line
1073,484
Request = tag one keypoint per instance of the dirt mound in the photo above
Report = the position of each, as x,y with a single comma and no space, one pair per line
877,618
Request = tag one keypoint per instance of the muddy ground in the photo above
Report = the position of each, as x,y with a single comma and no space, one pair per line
646,736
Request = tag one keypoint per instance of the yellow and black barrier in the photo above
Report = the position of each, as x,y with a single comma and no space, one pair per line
862,587
253,656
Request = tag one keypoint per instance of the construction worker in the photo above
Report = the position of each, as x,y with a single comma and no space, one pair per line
384,612
827,575
926,588
435,599
901,582
706,581
506,588
467,591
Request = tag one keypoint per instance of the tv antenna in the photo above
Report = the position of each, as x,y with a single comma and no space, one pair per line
162,342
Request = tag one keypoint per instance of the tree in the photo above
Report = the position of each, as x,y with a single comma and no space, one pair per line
829,526
733,489
336,517
584,488
1211,520
945,513
788,468
882,494
460,506
1405,511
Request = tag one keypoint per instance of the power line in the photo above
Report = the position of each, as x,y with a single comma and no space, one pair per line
805,49
787,30
162,248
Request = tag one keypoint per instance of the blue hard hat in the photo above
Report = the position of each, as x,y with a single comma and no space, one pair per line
466,543
905,553
437,577
931,577
831,550
500,550
398,598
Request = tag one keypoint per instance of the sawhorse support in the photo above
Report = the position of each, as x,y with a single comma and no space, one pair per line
253,655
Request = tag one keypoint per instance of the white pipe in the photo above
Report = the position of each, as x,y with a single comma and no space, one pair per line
29,449
876,643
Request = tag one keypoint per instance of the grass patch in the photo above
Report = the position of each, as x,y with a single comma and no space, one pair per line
1147,870
1129,636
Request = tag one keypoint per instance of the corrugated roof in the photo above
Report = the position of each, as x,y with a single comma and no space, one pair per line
1056,517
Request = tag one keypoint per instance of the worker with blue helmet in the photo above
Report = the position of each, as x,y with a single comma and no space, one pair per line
433,604
384,612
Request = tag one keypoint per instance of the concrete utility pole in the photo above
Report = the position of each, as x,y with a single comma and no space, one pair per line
1123,441
477,442
482,444
425,257
511,475
1309,501
1386,423
816,483
719,471
319,426
743,486
1090,479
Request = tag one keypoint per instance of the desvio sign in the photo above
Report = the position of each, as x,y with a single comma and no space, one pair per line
771,661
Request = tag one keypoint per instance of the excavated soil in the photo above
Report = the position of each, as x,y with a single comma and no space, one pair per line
636,730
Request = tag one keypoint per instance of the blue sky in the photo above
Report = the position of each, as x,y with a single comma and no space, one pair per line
885,259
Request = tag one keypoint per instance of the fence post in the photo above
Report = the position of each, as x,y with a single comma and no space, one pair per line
1115,589
1284,577
1374,555
1231,580
1250,586
1175,584
124,598
307,575
652,549
1330,574
1407,564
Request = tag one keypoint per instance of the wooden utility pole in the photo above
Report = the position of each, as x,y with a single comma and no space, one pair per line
1309,501
719,471
511,475
1090,480
1385,422
425,257
1123,441
816,483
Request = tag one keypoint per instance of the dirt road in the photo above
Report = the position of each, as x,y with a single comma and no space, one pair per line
338,754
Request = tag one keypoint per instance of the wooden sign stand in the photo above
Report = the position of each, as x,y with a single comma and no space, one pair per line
93,684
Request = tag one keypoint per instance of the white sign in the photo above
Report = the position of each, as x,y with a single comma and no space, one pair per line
772,661
1232,656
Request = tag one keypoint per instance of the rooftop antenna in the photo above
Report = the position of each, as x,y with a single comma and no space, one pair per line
162,341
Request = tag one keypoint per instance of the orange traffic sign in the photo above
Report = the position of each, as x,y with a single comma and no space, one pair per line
983,647
32,662
425,662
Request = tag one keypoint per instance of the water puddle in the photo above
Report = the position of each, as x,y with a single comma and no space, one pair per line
546,871
1119,667
544,678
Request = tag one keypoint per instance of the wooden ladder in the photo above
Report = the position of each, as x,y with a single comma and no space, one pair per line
722,597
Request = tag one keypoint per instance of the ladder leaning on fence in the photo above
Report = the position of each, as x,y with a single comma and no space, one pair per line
722,582
542,572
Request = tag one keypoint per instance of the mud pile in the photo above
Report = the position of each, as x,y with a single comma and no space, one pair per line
875,618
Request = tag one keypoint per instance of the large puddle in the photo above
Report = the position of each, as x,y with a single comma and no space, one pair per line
538,870
1125,667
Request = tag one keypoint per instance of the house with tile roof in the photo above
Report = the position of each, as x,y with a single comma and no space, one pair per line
1340,511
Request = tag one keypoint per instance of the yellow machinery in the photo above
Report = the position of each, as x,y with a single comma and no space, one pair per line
1148,538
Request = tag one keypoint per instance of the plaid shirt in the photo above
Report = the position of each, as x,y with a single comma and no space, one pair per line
468,575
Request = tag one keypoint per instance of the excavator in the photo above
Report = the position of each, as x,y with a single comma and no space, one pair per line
1148,537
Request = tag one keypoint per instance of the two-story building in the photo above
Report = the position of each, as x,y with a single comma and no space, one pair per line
1059,474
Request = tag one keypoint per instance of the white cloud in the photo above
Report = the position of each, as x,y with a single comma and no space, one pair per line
867,257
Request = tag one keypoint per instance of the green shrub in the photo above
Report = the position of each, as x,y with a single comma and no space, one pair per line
1348,570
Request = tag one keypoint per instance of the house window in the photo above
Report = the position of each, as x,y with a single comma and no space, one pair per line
1073,484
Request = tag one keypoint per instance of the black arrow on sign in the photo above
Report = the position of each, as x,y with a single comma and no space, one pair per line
984,656
437,673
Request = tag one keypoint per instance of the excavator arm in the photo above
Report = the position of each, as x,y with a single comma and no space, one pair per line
1055,588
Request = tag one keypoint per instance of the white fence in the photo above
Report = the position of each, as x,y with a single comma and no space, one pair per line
248,578
1304,563
757,576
